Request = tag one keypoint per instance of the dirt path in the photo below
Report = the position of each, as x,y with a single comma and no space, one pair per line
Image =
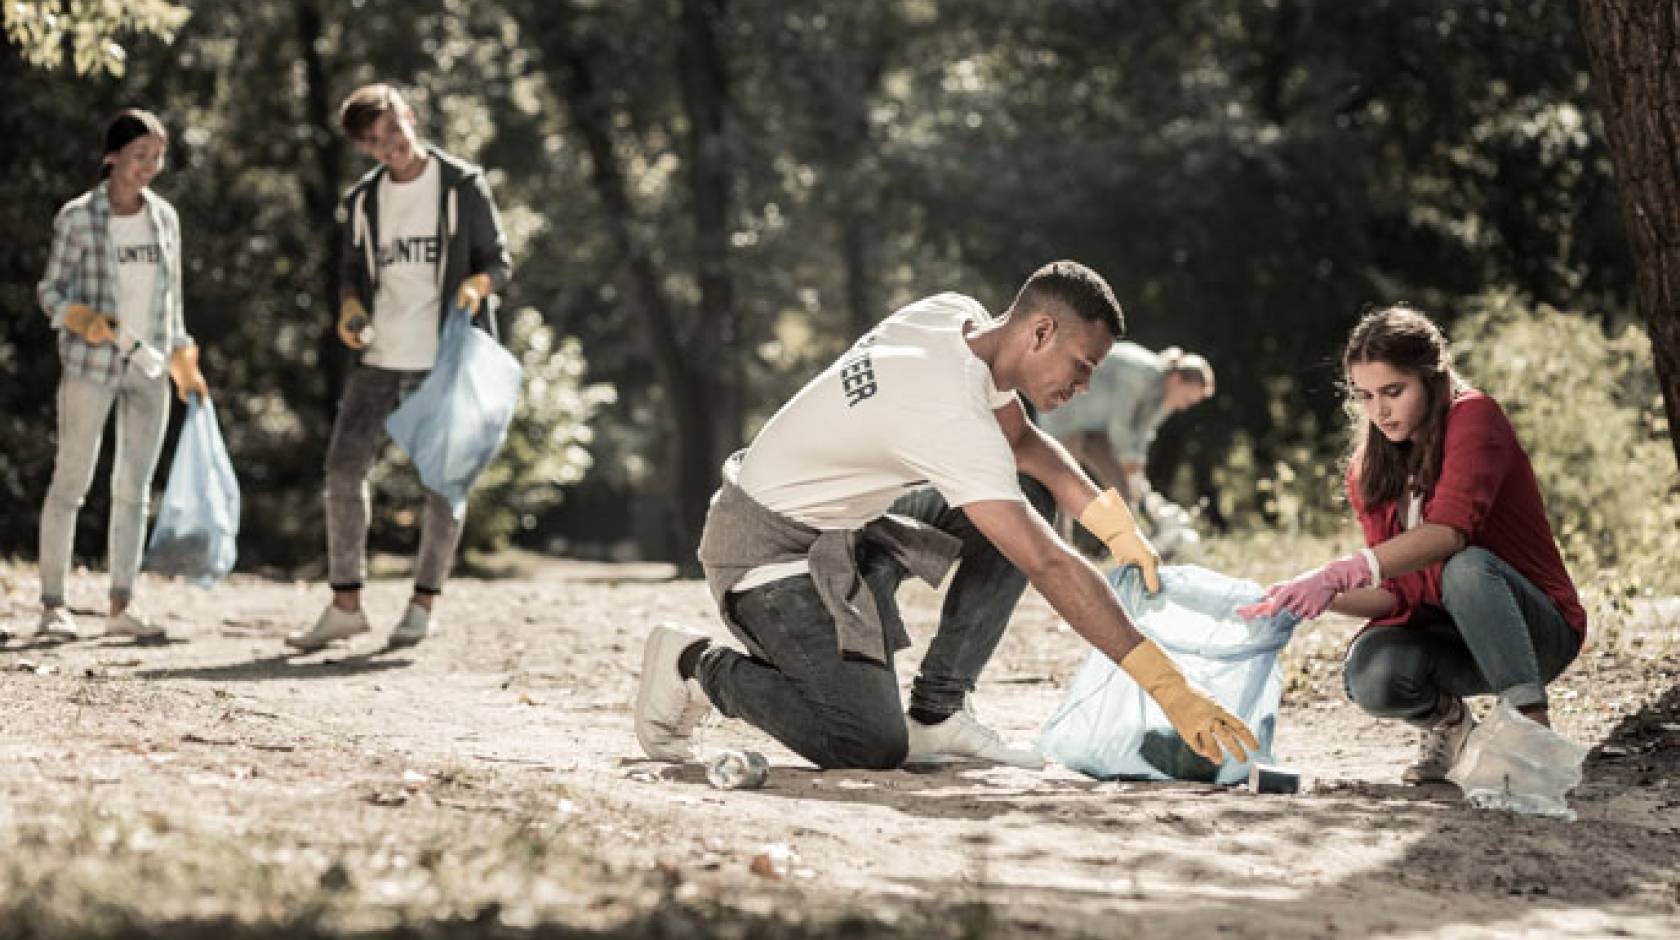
487,783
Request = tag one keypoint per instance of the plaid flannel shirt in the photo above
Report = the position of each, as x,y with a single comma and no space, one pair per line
82,269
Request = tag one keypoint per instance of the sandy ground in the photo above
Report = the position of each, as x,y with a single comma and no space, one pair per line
487,783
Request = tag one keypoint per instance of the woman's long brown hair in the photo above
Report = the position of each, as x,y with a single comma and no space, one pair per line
1404,339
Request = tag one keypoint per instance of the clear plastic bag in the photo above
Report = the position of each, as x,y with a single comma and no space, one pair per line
455,422
197,527
1514,764
1109,728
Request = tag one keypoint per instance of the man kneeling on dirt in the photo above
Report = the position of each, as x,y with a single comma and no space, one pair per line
900,458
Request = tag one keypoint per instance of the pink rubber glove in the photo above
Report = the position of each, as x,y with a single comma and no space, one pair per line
1310,594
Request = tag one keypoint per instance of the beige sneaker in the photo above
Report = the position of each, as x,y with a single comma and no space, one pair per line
130,624
416,622
1439,748
57,624
333,624
668,707
962,738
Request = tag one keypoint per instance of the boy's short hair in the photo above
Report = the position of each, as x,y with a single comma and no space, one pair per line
1074,287
364,106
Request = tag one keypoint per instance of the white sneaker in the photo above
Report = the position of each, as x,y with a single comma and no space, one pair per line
57,624
668,708
962,737
133,625
1439,748
333,624
412,628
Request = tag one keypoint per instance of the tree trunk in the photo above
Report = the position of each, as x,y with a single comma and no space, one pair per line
1634,47
705,95
694,452
321,193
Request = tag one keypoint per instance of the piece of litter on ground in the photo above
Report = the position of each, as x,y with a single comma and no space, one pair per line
413,778
526,698
772,861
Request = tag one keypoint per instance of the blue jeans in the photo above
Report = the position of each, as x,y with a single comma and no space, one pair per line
838,711
142,406
1501,635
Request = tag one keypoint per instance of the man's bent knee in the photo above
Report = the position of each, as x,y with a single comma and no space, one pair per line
881,748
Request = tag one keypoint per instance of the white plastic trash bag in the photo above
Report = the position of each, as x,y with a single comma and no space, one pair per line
1109,728
1514,764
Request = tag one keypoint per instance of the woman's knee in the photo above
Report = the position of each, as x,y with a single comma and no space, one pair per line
1381,677
1468,571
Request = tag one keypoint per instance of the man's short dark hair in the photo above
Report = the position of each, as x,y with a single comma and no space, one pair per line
1075,287
364,106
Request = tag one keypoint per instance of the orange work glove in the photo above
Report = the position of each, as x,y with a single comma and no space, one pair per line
353,322
1203,723
472,292
94,328
183,368
1108,519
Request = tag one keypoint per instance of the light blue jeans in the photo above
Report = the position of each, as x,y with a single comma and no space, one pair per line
142,406
1501,635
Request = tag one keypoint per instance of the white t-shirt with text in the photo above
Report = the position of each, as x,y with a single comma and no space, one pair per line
139,264
909,404
405,305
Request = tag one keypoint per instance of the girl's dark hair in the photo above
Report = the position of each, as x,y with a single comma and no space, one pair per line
129,125
1403,338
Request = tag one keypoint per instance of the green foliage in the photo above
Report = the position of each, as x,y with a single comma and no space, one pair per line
43,30
547,446
1246,172
1586,406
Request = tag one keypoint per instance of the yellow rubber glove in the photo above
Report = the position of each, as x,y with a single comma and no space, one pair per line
183,368
352,320
472,292
1205,726
1108,519
94,328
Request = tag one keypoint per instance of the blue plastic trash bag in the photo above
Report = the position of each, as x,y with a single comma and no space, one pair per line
1109,728
198,524
455,422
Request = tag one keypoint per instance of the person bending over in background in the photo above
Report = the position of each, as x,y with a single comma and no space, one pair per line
113,291
422,237
1110,428
1462,581
900,458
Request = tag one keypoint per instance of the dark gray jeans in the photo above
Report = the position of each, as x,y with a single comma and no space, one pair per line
838,711
1501,635
370,395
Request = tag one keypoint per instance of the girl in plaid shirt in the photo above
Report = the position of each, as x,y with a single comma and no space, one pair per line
113,291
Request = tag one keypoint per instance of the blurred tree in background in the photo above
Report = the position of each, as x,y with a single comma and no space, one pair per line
707,199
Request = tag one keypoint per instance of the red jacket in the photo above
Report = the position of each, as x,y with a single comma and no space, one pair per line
1486,491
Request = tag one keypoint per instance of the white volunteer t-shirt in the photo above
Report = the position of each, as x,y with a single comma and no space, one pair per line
139,262
405,305
908,404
